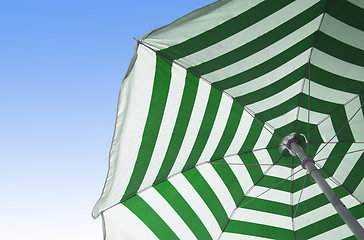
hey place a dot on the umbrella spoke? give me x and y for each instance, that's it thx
(299, 198)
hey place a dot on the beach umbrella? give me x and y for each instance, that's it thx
(242, 120)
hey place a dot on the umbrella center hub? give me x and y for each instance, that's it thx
(285, 147)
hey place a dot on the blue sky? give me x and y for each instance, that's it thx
(61, 66)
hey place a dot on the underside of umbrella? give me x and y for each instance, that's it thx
(205, 112)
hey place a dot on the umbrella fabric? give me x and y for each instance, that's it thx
(203, 110)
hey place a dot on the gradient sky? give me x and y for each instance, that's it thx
(61, 66)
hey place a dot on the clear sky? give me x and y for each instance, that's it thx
(61, 66)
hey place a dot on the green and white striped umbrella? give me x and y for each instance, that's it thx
(198, 150)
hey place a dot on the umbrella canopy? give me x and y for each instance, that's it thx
(205, 111)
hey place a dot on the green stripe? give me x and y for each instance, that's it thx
(232, 125)
(347, 13)
(183, 209)
(350, 238)
(316, 201)
(258, 230)
(309, 181)
(266, 206)
(318, 105)
(327, 224)
(355, 176)
(158, 102)
(208, 195)
(231, 182)
(252, 137)
(261, 42)
(301, 100)
(274, 88)
(340, 50)
(333, 162)
(150, 218)
(225, 29)
(270, 182)
(339, 119)
(252, 165)
(205, 128)
(334, 81)
(267, 66)
(179, 130)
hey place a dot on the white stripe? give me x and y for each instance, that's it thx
(238, 236)
(248, 34)
(315, 117)
(322, 212)
(197, 22)
(134, 101)
(218, 186)
(280, 172)
(325, 153)
(264, 54)
(310, 191)
(167, 125)
(241, 133)
(291, 116)
(357, 122)
(359, 193)
(240, 172)
(217, 129)
(347, 163)
(299, 172)
(161, 207)
(265, 218)
(194, 124)
(358, 3)
(342, 32)
(264, 138)
(263, 156)
(271, 195)
(327, 94)
(270, 77)
(197, 204)
(284, 119)
(121, 223)
(337, 66)
(277, 99)
(327, 131)
(338, 233)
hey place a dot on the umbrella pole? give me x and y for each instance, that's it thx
(309, 165)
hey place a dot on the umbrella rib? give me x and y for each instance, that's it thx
(337, 155)
(340, 129)
(245, 152)
(309, 75)
(299, 198)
